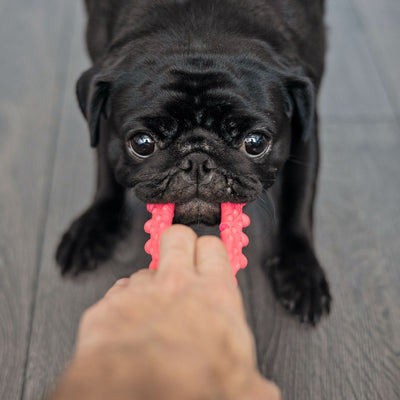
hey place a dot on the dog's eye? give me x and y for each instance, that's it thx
(257, 143)
(141, 144)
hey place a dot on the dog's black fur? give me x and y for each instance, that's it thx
(199, 76)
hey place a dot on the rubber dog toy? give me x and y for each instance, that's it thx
(162, 216)
(233, 220)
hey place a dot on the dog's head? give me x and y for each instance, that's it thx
(196, 130)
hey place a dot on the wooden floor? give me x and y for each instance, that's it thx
(46, 178)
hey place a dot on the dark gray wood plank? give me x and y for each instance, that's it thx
(73, 143)
(60, 302)
(354, 354)
(352, 88)
(31, 34)
(381, 23)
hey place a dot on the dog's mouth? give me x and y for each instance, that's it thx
(197, 211)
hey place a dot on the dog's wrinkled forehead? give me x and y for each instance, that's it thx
(219, 97)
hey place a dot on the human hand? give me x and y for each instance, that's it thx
(176, 333)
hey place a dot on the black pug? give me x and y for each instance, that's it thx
(198, 102)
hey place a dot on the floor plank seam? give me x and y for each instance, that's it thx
(64, 51)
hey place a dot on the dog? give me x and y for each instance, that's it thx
(199, 102)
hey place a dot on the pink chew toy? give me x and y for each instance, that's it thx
(162, 216)
(233, 220)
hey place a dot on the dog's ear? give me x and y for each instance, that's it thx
(301, 105)
(93, 93)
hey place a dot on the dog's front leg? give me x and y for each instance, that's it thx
(298, 280)
(91, 238)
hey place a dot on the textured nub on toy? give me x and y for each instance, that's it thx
(233, 220)
(162, 216)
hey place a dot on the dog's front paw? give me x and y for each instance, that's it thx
(300, 285)
(90, 239)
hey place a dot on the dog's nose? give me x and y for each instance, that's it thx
(198, 168)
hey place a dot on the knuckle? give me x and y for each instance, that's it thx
(176, 259)
(176, 280)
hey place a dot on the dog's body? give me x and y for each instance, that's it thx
(202, 102)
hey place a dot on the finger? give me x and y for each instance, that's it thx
(177, 251)
(212, 258)
(119, 285)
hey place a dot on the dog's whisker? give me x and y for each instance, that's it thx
(294, 160)
(267, 205)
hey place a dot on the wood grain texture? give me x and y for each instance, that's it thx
(381, 25)
(353, 90)
(60, 302)
(354, 354)
(31, 35)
